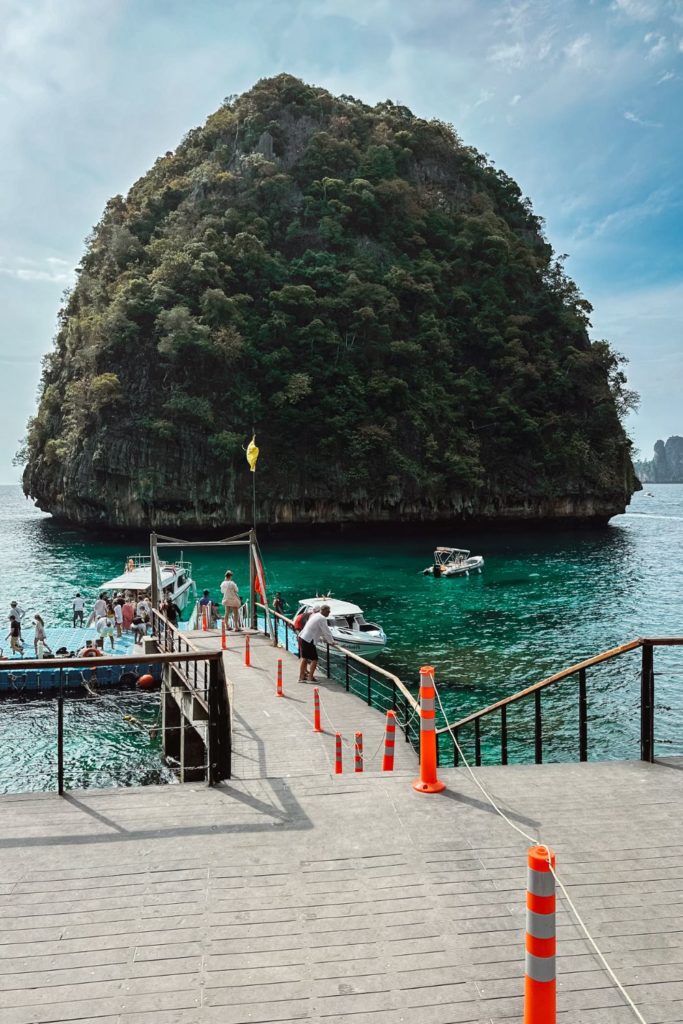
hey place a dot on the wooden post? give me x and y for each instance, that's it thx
(252, 578)
(219, 734)
(154, 562)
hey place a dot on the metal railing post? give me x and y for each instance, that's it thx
(647, 687)
(538, 728)
(504, 735)
(346, 660)
(583, 717)
(369, 688)
(60, 745)
(327, 659)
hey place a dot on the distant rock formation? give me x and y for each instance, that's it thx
(667, 465)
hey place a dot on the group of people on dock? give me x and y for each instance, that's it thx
(111, 617)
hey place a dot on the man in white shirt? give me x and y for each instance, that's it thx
(15, 612)
(315, 631)
(78, 610)
(99, 609)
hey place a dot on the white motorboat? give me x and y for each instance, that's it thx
(136, 580)
(348, 626)
(453, 562)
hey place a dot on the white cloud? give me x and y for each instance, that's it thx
(638, 10)
(656, 43)
(576, 51)
(515, 100)
(666, 77)
(507, 55)
(630, 116)
(52, 268)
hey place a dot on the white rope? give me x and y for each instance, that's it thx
(535, 842)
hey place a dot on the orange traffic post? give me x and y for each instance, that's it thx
(338, 754)
(316, 710)
(279, 692)
(389, 742)
(359, 752)
(539, 974)
(247, 652)
(224, 636)
(428, 781)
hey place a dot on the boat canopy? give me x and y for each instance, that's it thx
(336, 607)
(140, 578)
(451, 551)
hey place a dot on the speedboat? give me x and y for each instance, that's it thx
(175, 581)
(453, 562)
(348, 626)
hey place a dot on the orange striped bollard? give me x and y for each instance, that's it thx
(278, 692)
(224, 637)
(205, 625)
(428, 781)
(316, 710)
(247, 652)
(359, 752)
(539, 975)
(338, 754)
(389, 741)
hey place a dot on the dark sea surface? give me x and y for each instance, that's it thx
(544, 601)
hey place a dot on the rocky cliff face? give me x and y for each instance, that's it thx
(363, 289)
(667, 465)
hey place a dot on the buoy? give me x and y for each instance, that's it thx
(147, 682)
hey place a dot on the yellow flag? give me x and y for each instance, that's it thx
(252, 454)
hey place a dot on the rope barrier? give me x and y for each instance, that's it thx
(536, 842)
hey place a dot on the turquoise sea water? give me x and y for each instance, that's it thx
(544, 601)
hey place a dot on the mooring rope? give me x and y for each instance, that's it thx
(536, 842)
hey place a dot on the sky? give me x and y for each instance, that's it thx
(579, 100)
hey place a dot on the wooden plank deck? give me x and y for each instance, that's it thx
(292, 894)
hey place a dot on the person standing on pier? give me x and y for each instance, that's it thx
(78, 608)
(40, 644)
(14, 635)
(15, 612)
(315, 631)
(231, 601)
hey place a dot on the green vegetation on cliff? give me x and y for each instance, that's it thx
(370, 293)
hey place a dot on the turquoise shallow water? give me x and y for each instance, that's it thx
(543, 601)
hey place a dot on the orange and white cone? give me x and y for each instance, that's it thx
(428, 781)
(389, 742)
(338, 754)
(278, 692)
(539, 975)
(358, 766)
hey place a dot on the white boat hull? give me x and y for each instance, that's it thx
(473, 564)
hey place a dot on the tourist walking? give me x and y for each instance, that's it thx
(118, 616)
(15, 612)
(231, 601)
(78, 608)
(206, 608)
(40, 644)
(171, 610)
(14, 635)
(106, 626)
(128, 612)
(315, 631)
(99, 609)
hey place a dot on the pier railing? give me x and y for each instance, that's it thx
(495, 716)
(198, 673)
(375, 685)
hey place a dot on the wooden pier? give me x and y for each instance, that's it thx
(291, 894)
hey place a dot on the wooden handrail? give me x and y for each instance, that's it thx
(614, 652)
(355, 657)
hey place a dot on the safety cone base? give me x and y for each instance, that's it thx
(428, 787)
